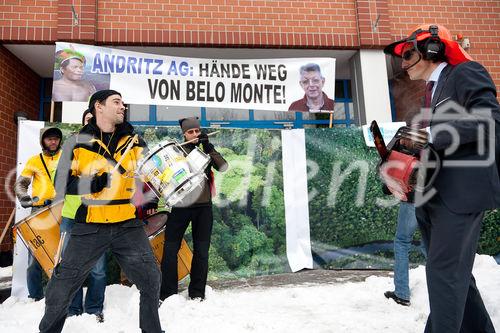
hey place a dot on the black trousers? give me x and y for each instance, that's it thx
(130, 246)
(201, 219)
(451, 240)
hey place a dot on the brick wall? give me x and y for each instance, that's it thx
(263, 23)
(373, 23)
(28, 21)
(251, 23)
(76, 20)
(19, 91)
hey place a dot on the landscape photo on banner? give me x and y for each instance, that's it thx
(351, 224)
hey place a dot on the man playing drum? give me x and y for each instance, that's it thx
(196, 208)
(106, 219)
(39, 171)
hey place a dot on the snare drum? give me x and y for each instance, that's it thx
(40, 233)
(171, 174)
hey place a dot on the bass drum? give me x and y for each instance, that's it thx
(155, 229)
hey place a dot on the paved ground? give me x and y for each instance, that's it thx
(300, 278)
(277, 280)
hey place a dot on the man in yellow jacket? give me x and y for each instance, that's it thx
(39, 172)
(106, 219)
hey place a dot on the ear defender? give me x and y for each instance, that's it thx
(433, 47)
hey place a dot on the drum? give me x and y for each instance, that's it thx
(155, 229)
(170, 173)
(40, 233)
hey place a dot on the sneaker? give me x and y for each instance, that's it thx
(400, 301)
(99, 317)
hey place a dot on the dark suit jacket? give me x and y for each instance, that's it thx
(468, 188)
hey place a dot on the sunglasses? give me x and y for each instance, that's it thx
(408, 54)
(193, 131)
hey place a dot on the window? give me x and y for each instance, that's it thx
(174, 113)
(138, 112)
(214, 114)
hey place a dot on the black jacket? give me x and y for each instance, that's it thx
(469, 179)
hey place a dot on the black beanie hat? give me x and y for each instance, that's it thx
(100, 96)
(188, 123)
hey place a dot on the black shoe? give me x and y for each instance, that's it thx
(99, 316)
(400, 301)
(197, 298)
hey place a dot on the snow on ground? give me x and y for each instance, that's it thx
(329, 307)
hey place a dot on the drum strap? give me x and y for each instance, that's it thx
(45, 166)
(89, 202)
(111, 159)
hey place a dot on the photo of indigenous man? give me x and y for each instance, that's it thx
(314, 100)
(71, 86)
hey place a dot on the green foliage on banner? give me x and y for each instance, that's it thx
(344, 208)
(489, 240)
(344, 203)
(248, 236)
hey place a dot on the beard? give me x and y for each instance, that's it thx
(49, 151)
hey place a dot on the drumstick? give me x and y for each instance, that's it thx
(9, 222)
(192, 140)
(57, 258)
(134, 140)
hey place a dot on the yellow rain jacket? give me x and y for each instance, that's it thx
(88, 154)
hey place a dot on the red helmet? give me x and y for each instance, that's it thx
(453, 52)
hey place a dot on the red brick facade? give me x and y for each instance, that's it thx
(19, 91)
(337, 24)
(326, 24)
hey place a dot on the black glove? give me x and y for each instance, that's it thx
(203, 138)
(98, 183)
(26, 201)
(207, 146)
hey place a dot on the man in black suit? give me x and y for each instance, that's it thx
(462, 115)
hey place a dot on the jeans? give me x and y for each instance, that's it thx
(34, 278)
(96, 281)
(88, 242)
(407, 224)
(34, 273)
